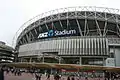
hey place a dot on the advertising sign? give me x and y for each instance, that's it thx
(52, 33)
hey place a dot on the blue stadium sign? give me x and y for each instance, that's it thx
(52, 33)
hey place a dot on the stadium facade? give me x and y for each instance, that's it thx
(6, 53)
(74, 35)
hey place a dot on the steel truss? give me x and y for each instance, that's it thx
(82, 12)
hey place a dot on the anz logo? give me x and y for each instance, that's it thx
(52, 33)
(42, 35)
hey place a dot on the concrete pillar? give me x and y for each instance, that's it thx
(51, 71)
(21, 59)
(104, 64)
(80, 60)
(43, 58)
(30, 59)
(59, 60)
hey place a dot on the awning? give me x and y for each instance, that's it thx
(60, 66)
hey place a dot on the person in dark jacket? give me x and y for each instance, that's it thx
(73, 78)
(68, 78)
(1, 74)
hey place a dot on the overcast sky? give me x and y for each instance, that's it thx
(13, 13)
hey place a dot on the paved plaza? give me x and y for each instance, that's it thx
(29, 76)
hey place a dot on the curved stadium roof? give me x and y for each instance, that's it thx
(51, 15)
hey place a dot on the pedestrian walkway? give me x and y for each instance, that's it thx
(29, 76)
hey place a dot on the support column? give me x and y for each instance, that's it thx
(59, 60)
(80, 60)
(114, 55)
(21, 59)
(51, 71)
(30, 59)
(43, 58)
(103, 61)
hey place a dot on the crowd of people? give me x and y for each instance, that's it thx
(38, 75)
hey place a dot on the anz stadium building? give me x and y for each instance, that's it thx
(75, 35)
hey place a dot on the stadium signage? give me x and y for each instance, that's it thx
(52, 33)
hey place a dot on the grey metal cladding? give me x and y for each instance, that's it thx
(78, 46)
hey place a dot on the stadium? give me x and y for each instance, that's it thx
(75, 35)
(6, 53)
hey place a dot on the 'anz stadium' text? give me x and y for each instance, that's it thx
(52, 33)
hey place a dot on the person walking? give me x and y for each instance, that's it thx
(1, 74)
(73, 78)
(68, 78)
